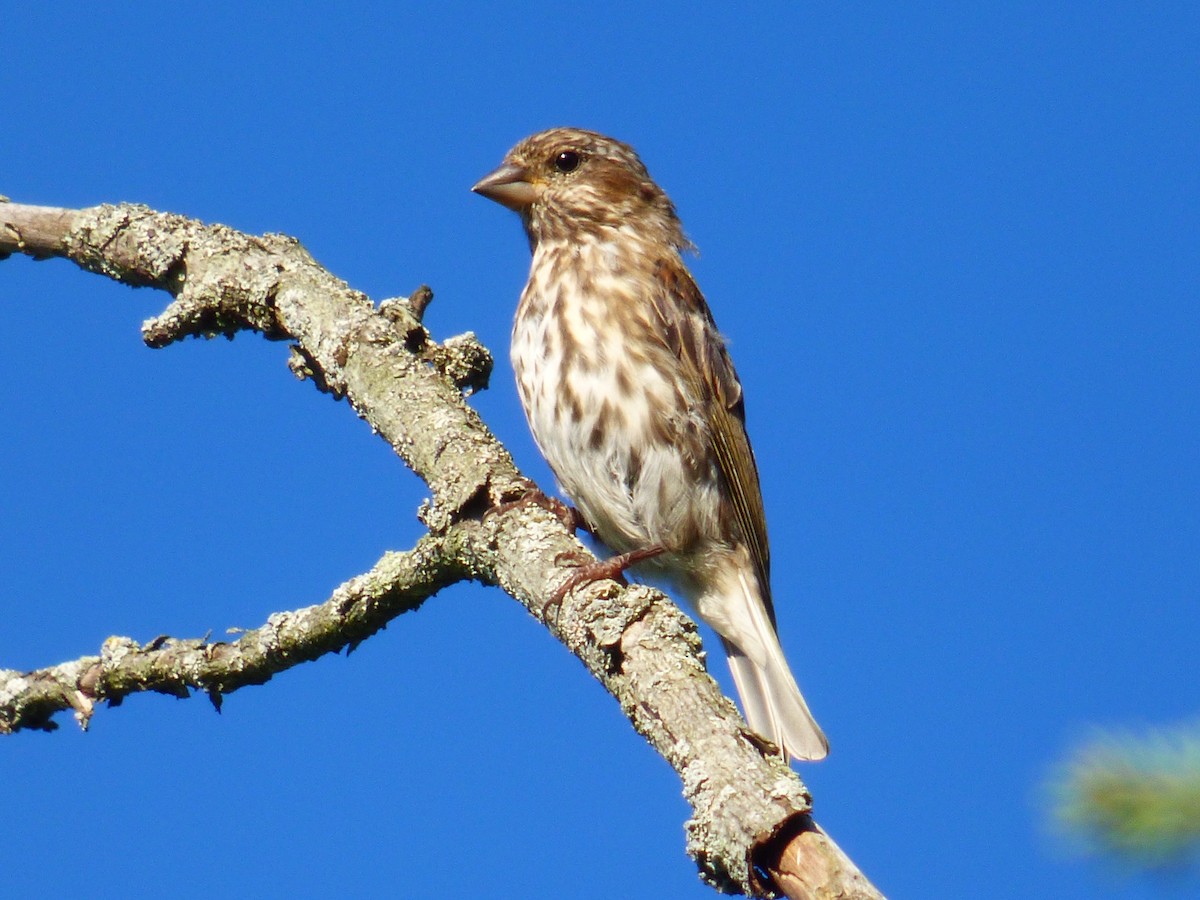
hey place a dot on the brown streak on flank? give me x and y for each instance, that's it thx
(634, 471)
(624, 380)
(576, 409)
(608, 418)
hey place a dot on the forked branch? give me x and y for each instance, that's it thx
(751, 830)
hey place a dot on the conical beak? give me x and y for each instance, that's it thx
(509, 186)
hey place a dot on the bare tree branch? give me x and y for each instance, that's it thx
(398, 583)
(751, 830)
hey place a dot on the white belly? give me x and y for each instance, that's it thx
(626, 452)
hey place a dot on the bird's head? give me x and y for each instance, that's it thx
(569, 183)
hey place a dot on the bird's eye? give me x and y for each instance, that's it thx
(567, 161)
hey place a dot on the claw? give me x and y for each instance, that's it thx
(570, 517)
(589, 570)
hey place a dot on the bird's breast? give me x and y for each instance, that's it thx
(606, 403)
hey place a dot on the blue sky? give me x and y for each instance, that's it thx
(955, 251)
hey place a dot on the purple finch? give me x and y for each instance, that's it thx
(633, 400)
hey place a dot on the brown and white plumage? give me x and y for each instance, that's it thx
(634, 402)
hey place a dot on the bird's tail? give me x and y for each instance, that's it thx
(771, 699)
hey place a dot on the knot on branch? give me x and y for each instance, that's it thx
(414, 305)
(461, 359)
(225, 281)
(304, 366)
(131, 243)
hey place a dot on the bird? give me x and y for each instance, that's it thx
(632, 398)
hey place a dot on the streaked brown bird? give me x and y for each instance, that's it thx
(634, 402)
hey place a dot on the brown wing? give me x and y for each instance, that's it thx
(692, 336)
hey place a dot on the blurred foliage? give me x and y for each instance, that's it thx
(1136, 799)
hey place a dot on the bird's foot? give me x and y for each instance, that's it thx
(570, 517)
(588, 570)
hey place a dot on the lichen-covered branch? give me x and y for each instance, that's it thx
(751, 828)
(398, 583)
(381, 359)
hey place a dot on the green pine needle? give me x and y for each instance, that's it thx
(1136, 798)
